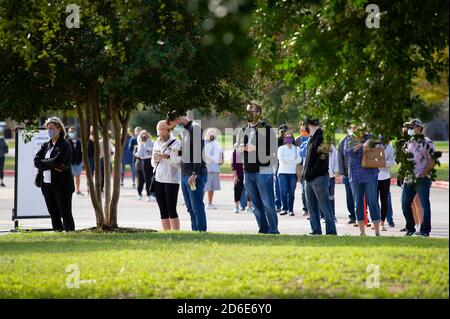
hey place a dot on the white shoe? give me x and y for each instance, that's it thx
(148, 200)
(249, 209)
(383, 228)
(211, 206)
(139, 197)
(236, 210)
(152, 198)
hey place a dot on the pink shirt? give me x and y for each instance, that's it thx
(421, 155)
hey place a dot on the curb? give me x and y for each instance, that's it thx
(229, 177)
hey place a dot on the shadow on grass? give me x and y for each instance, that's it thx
(85, 241)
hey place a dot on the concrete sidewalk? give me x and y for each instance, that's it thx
(141, 214)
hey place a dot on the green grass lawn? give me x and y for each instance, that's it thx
(208, 265)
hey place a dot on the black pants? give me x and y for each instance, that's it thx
(166, 197)
(148, 174)
(383, 193)
(59, 205)
(140, 181)
(2, 167)
(238, 189)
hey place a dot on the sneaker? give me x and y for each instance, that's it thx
(152, 198)
(283, 213)
(148, 200)
(236, 210)
(80, 194)
(211, 206)
(410, 233)
(362, 234)
(372, 227)
(2, 185)
(139, 197)
(335, 220)
(383, 228)
(355, 225)
(121, 184)
(278, 210)
(351, 221)
(249, 210)
(422, 234)
(305, 213)
(392, 225)
(242, 209)
(291, 214)
(403, 229)
(369, 225)
(377, 234)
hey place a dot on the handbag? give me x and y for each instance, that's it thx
(153, 181)
(38, 179)
(373, 158)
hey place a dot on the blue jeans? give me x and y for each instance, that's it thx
(194, 202)
(390, 213)
(318, 199)
(421, 187)
(302, 182)
(288, 183)
(370, 190)
(259, 187)
(133, 171)
(331, 191)
(277, 192)
(350, 201)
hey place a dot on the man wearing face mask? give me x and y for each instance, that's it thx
(317, 179)
(257, 149)
(421, 148)
(56, 182)
(193, 167)
(76, 162)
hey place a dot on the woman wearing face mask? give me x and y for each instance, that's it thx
(144, 153)
(288, 157)
(213, 155)
(53, 159)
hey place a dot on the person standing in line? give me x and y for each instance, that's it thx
(317, 179)
(56, 182)
(193, 167)
(3, 151)
(384, 182)
(421, 148)
(302, 142)
(240, 195)
(128, 159)
(144, 153)
(166, 161)
(288, 158)
(213, 155)
(258, 147)
(76, 161)
(364, 182)
(282, 129)
(344, 172)
(332, 170)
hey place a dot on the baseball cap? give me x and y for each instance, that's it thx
(415, 122)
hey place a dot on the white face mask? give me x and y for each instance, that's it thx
(350, 131)
(411, 132)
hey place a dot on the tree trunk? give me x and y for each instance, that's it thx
(120, 133)
(85, 132)
(107, 166)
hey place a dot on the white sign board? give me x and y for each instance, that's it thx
(29, 201)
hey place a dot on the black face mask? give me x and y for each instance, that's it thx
(307, 129)
(211, 138)
(253, 117)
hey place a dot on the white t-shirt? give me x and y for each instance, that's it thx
(389, 155)
(212, 156)
(333, 164)
(48, 173)
(288, 159)
(168, 170)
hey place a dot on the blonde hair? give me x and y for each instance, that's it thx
(57, 121)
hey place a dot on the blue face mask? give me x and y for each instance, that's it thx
(178, 129)
(51, 133)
